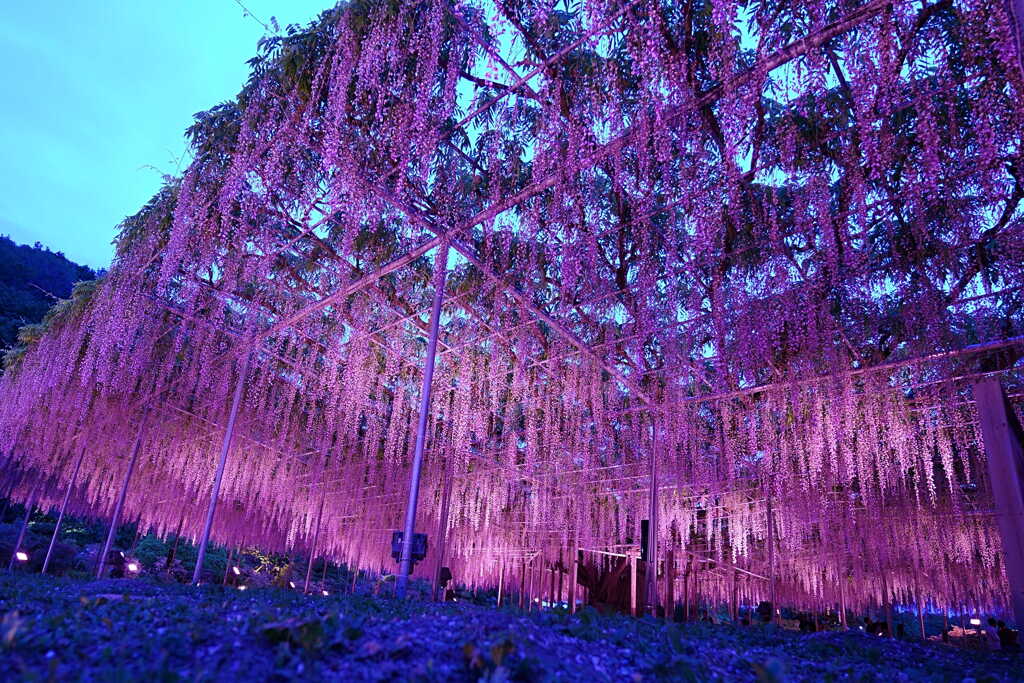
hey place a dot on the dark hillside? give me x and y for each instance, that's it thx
(31, 280)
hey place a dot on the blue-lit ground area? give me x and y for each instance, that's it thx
(61, 629)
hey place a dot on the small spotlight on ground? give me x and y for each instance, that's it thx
(21, 556)
(133, 566)
(236, 570)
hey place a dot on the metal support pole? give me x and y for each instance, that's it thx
(124, 491)
(177, 537)
(771, 563)
(735, 601)
(24, 527)
(227, 567)
(529, 593)
(405, 564)
(1004, 448)
(632, 584)
(842, 601)
(442, 531)
(60, 516)
(522, 585)
(574, 577)
(670, 585)
(501, 582)
(651, 596)
(551, 596)
(561, 575)
(887, 604)
(316, 534)
(229, 437)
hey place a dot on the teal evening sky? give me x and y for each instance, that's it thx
(96, 97)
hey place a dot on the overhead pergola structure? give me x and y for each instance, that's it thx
(738, 268)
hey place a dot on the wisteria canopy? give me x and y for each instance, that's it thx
(750, 254)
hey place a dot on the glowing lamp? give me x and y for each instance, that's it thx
(292, 584)
(325, 593)
(21, 556)
(236, 571)
(975, 622)
(133, 566)
(241, 588)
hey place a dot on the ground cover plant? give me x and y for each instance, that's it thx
(62, 629)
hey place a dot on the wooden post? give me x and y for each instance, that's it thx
(573, 577)
(632, 584)
(1004, 448)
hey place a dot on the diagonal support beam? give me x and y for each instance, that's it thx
(352, 288)
(524, 302)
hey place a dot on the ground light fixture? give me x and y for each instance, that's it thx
(325, 593)
(236, 570)
(241, 588)
(975, 622)
(133, 566)
(21, 556)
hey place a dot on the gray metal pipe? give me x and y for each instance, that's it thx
(229, 435)
(405, 564)
(60, 517)
(101, 565)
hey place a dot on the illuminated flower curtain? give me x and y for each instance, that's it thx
(756, 242)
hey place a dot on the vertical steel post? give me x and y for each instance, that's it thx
(442, 531)
(632, 584)
(670, 585)
(60, 516)
(651, 596)
(574, 577)
(31, 503)
(776, 615)
(124, 491)
(316, 534)
(227, 567)
(501, 582)
(229, 437)
(1004, 450)
(405, 564)
(842, 601)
